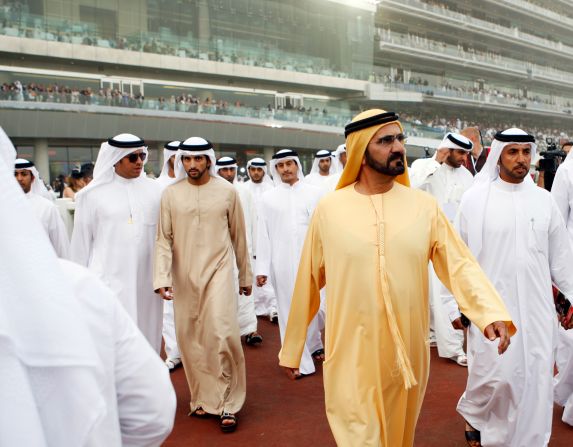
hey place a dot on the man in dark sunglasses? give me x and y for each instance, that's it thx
(131, 166)
(114, 232)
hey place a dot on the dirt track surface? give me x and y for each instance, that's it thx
(279, 412)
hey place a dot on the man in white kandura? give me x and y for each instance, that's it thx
(167, 177)
(322, 168)
(260, 182)
(75, 369)
(517, 234)
(29, 179)
(115, 227)
(446, 181)
(227, 170)
(284, 216)
(339, 161)
(562, 191)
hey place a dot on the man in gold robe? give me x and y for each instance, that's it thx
(201, 231)
(373, 239)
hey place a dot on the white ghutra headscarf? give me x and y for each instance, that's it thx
(227, 162)
(341, 149)
(282, 155)
(169, 150)
(321, 155)
(259, 163)
(478, 193)
(456, 141)
(195, 146)
(111, 152)
(38, 187)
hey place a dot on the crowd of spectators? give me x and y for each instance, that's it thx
(58, 93)
(488, 126)
(476, 91)
(15, 20)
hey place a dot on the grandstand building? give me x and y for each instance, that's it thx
(254, 76)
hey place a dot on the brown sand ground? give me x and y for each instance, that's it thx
(279, 412)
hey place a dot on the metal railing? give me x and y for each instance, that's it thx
(466, 20)
(495, 61)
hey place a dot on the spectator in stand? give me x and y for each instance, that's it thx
(75, 182)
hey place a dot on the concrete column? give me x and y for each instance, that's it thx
(41, 158)
(269, 152)
(204, 34)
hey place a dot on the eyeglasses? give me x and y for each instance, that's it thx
(133, 157)
(389, 139)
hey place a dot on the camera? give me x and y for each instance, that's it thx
(552, 157)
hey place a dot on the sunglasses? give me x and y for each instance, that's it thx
(133, 157)
(389, 139)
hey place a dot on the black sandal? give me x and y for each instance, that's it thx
(318, 355)
(253, 339)
(228, 428)
(473, 436)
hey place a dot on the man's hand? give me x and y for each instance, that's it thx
(442, 154)
(567, 321)
(166, 293)
(292, 373)
(261, 280)
(457, 324)
(245, 290)
(498, 329)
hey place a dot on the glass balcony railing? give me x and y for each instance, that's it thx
(494, 60)
(332, 117)
(522, 4)
(491, 96)
(219, 49)
(324, 117)
(466, 20)
(11, 94)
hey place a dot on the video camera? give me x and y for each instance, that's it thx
(552, 157)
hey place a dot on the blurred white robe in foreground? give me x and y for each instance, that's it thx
(562, 192)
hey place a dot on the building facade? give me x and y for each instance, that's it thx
(254, 76)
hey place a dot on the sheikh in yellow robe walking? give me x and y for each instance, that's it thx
(372, 252)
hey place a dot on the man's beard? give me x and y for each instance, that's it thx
(198, 175)
(451, 161)
(515, 175)
(386, 169)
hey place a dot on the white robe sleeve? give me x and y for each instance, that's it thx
(58, 234)
(263, 264)
(82, 235)
(560, 253)
(448, 300)
(145, 396)
(254, 226)
(562, 190)
(250, 216)
(421, 172)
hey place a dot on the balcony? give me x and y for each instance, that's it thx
(435, 52)
(468, 23)
(218, 56)
(552, 18)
